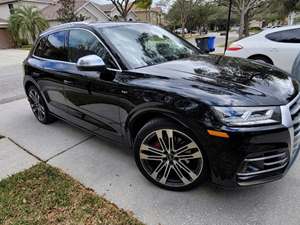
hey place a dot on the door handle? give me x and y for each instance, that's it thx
(67, 82)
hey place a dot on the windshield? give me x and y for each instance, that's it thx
(144, 45)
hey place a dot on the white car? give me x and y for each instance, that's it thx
(278, 46)
(179, 31)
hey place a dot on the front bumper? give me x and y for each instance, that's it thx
(256, 155)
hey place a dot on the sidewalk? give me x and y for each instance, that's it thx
(111, 172)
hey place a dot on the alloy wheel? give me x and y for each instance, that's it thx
(171, 158)
(37, 105)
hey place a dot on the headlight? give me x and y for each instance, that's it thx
(248, 116)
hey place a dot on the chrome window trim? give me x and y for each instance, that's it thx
(71, 63)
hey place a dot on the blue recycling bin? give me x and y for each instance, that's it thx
(211, 43)
(206, 44)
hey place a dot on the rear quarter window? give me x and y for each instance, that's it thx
(287, 36)
(52, 47)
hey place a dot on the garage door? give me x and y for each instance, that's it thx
(5, 40)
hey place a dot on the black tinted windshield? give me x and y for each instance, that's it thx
(144, 45)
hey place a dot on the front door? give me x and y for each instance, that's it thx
(92, 97)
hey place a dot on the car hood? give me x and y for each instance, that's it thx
(226, 81)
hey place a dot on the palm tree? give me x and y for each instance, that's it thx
(27, 23)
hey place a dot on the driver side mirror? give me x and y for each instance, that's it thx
(91, 63)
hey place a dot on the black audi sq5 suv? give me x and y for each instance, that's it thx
(187, 116)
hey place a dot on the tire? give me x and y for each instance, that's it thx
(171, 167)
(261, 58)
(38, 106)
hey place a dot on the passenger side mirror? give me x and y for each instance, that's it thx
(91, 63)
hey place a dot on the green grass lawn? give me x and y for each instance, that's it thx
(44, 195)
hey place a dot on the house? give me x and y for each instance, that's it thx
(7, 6)
(111, 11)
(154, 15)
(91, 10)
(88, 9)
(5, 38)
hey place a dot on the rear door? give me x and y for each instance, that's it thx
(93, 97)
(285, 47)
(48, 67)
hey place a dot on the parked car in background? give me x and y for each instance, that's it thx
(179, 31)
(186, 116)
(277, 46)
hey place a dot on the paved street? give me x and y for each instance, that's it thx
(11, 74)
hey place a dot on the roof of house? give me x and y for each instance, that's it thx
(39, 1)
(106, 7)
(50, 12)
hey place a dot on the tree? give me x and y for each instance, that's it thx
(125, 6)
(284, 7)
(185, 8)
(147, 6)
(66, 13)
(26, 22)
(182, 11)
(244, 8)
(217, 17)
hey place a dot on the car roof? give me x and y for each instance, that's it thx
(272, 30)
(86, 24)
(262, 34)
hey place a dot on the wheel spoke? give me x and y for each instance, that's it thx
(165, 176)
(161, 165)
(152, 157)
(37, 98)
(161, 140)
(180, 175)
(40, 115)
(170, 140)
(196, 155)
(151, 149)
(183, 167)
(191, 145)
(32, 96)
(42, 110)
(34, 108)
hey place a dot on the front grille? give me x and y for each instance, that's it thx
(266, 166)
(263, 165)
(295, 113)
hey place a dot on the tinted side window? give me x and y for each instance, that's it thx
(52, 47)
(287, 36)
(83, 43)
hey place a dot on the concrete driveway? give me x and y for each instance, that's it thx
(111, 171)
(11, 74)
